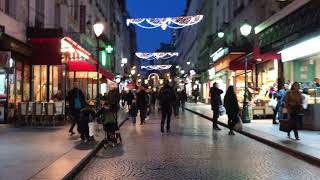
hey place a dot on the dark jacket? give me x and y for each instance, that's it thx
(72, 95)
(183, 96)
(231, 104)
(167, 96)
(113, 97)
(142, 99)
(215, 94)
(129, 98)
(85, 115)
(133, 111)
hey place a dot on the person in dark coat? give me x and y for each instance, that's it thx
(76, 101)
(133, 111)
(142, 103)
(113, 99)
(130, 98)
(153, 98)
(167, 98)
(85, 116)
(232, 108)
(183, 99)
(215, 94)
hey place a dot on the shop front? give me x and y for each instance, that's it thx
(14, 75)
(301, 64)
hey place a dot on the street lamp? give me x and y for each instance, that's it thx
(220, 34)
(245, 30)
(98, 30)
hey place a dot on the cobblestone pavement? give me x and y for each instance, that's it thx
(192, 151)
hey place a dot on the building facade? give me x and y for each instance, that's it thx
(46, 45)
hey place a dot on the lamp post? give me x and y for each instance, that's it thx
(98, 30)
(245, 30)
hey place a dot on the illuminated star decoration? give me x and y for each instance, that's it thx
(156, 67)
(164, 23)
(158, 55)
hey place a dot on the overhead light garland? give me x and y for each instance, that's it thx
(164, 23)
(156, 67)
(157, 55)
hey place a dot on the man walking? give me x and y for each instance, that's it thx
(76, 101)
(215, 94)
(142, 103)
(167, 98)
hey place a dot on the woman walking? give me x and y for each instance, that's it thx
(293, 102)
(232, 108)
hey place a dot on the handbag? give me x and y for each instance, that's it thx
(222, 110)
(273, 103)
(91, 128)
(238, 125)
(284, 125)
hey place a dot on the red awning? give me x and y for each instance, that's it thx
(84, 66)
(272, 55)
(239, 64)
(46, 51)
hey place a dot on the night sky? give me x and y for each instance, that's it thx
(149, 40)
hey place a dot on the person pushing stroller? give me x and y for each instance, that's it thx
(110, 124)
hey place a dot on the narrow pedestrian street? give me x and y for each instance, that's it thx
(192, 151)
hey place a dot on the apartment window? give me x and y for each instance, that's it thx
(76, 9)
(39, 19)
(10, 7)
(57, 15)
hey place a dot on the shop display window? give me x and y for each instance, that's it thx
(39, 83)
(18, 82)
(26, 83)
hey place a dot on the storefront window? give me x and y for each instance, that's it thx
(26, 83)
(303, 70)
(18, 82)
(40, 82)
(54, 81)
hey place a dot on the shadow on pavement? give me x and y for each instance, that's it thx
(85, 145)
(111, 152)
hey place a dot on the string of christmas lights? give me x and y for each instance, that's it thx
(156, 67)
(164, 23)
(157, 56)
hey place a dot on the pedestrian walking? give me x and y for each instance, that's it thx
(113, 100)
(195, 94)
(167, 97)
(232, 108)
(176, 104)
(281, 101)
(273, 103)
(216, 102)
(133, 111)
(123, 97)
(130, 98)
(76, 101)
(153, 99)
(142, 103)
(86, 115)
(183, 99)
(293, 103)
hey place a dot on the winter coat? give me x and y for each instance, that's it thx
(129, 98)
(167, 97)
(133, 111)
(215, 94)
(231, 105)
(142, 99)
(293, 102)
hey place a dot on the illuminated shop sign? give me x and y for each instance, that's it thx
(219, 54)
(301, 50)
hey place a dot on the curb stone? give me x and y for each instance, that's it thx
(78, 168)
(297, 154)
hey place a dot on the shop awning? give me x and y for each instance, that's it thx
(83, 66)
(271, 55)
(239, 63)
(46, 51)
(223, 63)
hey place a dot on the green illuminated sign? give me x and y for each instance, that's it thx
(109, 49)
(103, 58)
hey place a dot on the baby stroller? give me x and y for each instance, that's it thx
(110, 126)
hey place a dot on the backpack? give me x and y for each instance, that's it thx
(109, 118)
(166, 96)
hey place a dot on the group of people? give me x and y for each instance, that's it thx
(290, 105)
(82, 113)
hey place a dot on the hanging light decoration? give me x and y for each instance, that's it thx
(157, 55)
(164, 23)
(156, 67)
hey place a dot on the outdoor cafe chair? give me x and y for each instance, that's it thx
(37, 113)
(49, 113)
(59, 110)
(23, 112)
